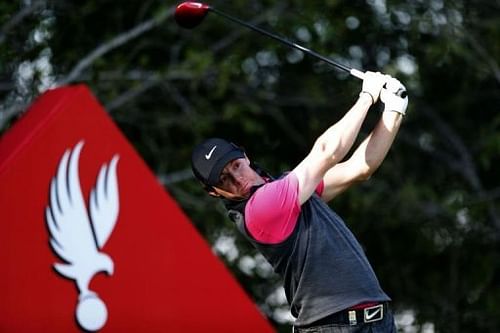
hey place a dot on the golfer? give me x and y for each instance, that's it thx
(328, 280)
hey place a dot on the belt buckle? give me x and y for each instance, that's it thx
(373, 313)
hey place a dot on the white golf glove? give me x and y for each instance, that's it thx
(393, 102)
(373, 83)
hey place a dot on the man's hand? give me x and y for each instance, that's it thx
(393, 102)
(373, 83)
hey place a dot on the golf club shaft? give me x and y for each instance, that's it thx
(352, 71)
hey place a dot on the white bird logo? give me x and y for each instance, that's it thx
(78, 239)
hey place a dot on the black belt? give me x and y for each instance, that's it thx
(353, 317)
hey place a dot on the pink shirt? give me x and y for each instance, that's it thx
(272, 212)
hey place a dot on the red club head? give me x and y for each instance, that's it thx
(189, 14)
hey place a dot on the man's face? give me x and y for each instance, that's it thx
(237, 179)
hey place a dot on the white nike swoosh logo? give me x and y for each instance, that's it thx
(373, 314)
(207, 156)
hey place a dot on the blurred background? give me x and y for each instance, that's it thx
(429, 219)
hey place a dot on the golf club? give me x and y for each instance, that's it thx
(189, 14)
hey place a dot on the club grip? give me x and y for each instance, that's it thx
(357, 73)
(360, 75)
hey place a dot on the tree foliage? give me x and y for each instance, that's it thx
(429, 219)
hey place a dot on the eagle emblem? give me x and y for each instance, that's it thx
(77, 235)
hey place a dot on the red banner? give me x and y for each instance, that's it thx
(90, 240)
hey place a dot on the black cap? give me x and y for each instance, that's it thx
(211, 156)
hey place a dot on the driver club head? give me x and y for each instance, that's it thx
(189, 14)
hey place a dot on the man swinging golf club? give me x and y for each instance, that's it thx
(328, 280)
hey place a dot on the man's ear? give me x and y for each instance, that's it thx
(214, 194)
(212, 191)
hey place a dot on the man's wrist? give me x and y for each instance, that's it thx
(402, 113)
(367, 96)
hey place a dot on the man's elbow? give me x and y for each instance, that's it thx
(363, 176)
(366, 172)
(330, 149)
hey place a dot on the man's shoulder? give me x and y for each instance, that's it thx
(275, 194)
(285, 181)
(273, 209)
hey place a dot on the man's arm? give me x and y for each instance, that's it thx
(332, 146)
(371, 152)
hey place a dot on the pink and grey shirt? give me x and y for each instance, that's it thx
(323, 267)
